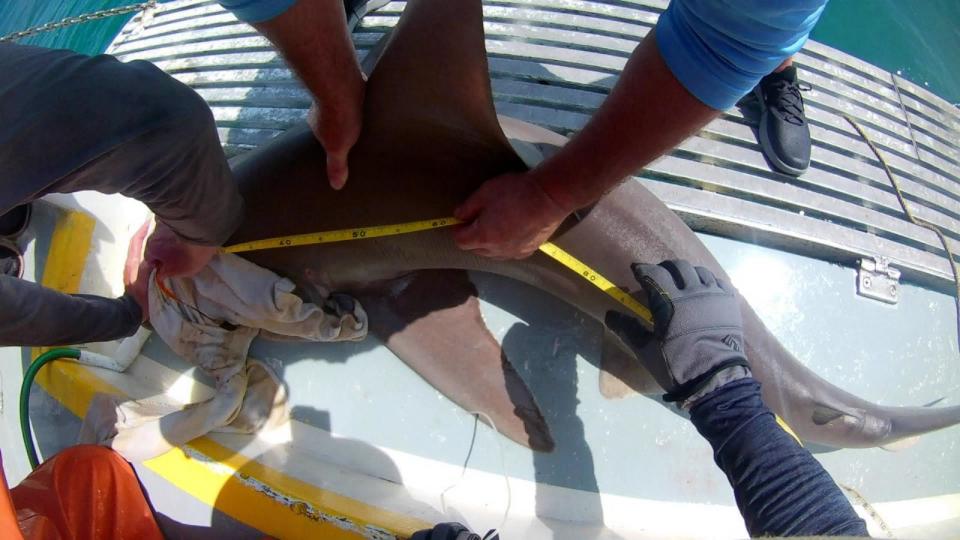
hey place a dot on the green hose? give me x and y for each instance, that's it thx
(25, 387)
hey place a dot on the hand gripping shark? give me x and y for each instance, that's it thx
(430, 138)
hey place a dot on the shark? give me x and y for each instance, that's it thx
(430, 137)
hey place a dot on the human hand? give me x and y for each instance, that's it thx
(697, 343)
(315, 41)
(173, 256)
(338, 128)
(508, 217)
(136, 270)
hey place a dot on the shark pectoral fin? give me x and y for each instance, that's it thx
(431, 320)
(621, 373)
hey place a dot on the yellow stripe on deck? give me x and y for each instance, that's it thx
(264, 498)
(269, 500)
(69, 246)
(72, 384)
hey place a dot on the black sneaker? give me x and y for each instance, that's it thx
(784, 133)
(11, 261)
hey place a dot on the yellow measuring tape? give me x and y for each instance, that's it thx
(554, 251)
(360, 233)
(342, 235)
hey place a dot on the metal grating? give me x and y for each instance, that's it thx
(552, 62)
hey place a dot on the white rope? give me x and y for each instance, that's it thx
(915, 220)
(503, 471)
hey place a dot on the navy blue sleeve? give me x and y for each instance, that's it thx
(720, 49)
(780, 488)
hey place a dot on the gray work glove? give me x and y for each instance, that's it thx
(697, 343)
(452, 531)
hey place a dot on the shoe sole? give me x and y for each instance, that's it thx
(767, 147)
(8, 244)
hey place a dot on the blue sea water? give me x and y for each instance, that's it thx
(90, 38)
(919, 39)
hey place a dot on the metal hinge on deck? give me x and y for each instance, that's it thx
(878, 280)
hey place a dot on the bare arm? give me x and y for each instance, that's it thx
(648, 113)
(312, 35)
